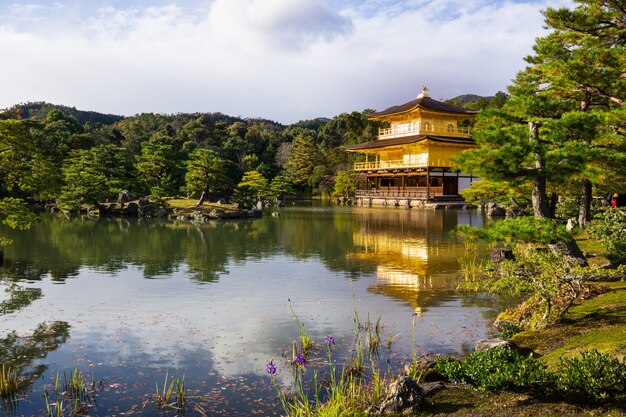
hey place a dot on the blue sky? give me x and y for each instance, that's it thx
(284, 60)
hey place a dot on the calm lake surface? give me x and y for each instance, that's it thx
(127, 301)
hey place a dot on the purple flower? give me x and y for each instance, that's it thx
(270, 367)
(329, 341)
(299, 360)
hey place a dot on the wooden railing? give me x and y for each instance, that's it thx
(400, 164)
(408, 192)
(417, 128)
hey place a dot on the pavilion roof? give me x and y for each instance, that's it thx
(405, 140)
(426, 103)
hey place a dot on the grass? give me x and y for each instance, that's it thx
(172, 395)
(73, 395)
(190, 204)
(9, 385)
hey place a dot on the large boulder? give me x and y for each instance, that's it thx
(404, 396)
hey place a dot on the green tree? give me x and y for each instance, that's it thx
(205, 174)
(280, 186)
(158, 169)
(304, 158)
(83, 182)
(566, 98)
(583, 61)
(252, 187)
(345, 183)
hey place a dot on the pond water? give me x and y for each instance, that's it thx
(129, 301)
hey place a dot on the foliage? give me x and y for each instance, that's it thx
(305, 157)
(205, 173)
(595, 376)
(511, 232)
(9, 383)
(158, 167)
(609, 226)
(280, 186)
(497, 369)
(538, 270)
(348, 390)
(16, 213)
(498, 191)
(252, 188)
(508, 330)
(345, 184)
(559, 131)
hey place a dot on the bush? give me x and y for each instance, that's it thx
(610, 228)
(594, 376)
(508, 330)
(497, 369)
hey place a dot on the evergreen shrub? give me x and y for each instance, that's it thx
(496, 369)
(595, 376)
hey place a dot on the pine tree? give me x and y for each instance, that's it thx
(205, 173)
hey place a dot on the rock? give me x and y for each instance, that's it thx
(404, 396)
(422, 363)
(501, 254)
(131, 210)
(486, 344)
(124, 197)
(431, 388)
(502, 325)
(494, 209)
(571, 224)
(93, 211)
(255, 213)
(275, 214)
(161, 213)
(570, 252)
(259, 205)
(216, 214)
(199, 217)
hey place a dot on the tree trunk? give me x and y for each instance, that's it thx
(584, 213)
(554, 200)
(541, 207)
(202, 198)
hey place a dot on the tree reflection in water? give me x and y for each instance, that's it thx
(22, 352)
(18, 298)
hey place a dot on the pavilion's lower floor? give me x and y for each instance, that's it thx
(390, 188)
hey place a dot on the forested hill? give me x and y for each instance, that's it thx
(476, 102)
(39, 110)
(73, 157)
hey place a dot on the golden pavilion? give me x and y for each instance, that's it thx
(410, 163)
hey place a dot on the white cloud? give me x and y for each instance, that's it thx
(281, 59)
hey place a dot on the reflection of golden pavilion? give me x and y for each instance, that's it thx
(409, 268)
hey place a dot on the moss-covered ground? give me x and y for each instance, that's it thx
(186, 204)
(460, 401)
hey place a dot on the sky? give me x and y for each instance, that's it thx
(283, 60)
